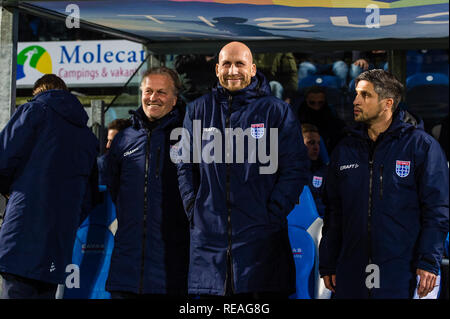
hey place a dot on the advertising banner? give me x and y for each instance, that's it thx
(79, 63)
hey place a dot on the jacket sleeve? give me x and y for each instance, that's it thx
(92, 197)
(293, 166)
(112, 176)
(330, 243)
(188, 174)
(432, 181)
(17, 140)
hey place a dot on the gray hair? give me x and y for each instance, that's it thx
(385, 85)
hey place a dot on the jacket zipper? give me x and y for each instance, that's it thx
(158, 152)
(370, 215)
(381, 181)
(229, 256)
(144, 230)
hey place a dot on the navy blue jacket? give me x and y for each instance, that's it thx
(47, 165)
(238, 215)
(102, 168)
(151, 245)
(317, 178)
(389, 209)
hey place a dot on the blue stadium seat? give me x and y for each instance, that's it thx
(420, 79)
(92, 251)
(428, 101)
(304, 214)
(304, 251)
(329, 81)
(351, 86)
(305, 217)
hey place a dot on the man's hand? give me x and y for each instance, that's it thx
(330, 282)
(427, 281)
(363, 64)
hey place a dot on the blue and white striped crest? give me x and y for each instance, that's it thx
(317, 181)
(402, 168)
(257, 130)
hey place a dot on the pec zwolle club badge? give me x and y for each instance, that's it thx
(402, 168)
(257, 130)
(317, 181)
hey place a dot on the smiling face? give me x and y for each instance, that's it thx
(235, 68)
(158, 96)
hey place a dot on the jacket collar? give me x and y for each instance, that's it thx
(402, 121)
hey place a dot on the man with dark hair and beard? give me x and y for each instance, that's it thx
(387, 200)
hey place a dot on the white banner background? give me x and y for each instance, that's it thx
(79, 63)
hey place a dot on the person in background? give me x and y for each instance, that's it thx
(151, 246)
(386, 217)
(318, 170)
(113, 128)
(196, 74)
(48, 172)
(315, 110)
(367, 60)
(280, 69)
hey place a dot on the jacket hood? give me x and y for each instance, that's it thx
(65, 104)
(259, 86)
(402, 121)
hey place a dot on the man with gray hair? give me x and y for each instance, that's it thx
(151, 245)
(387, 200)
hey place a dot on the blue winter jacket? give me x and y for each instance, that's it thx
(238, 215)
(388, 210)
(317, 178)
(47, 165)
(151, 245)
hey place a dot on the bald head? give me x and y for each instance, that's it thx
(235, 68)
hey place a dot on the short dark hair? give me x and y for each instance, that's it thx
(119, 124)
(172, 74)
(315, 89)
(385, 84)
(306, 128)
(48, 82)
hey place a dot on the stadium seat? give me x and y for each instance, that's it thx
(420, 79)
(92, 250)
(305, 213)
(305, 216)
(304, 251)
(428, 101)
(414, 61)
(329, 81)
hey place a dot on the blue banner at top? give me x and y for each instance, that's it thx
(323, 20)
